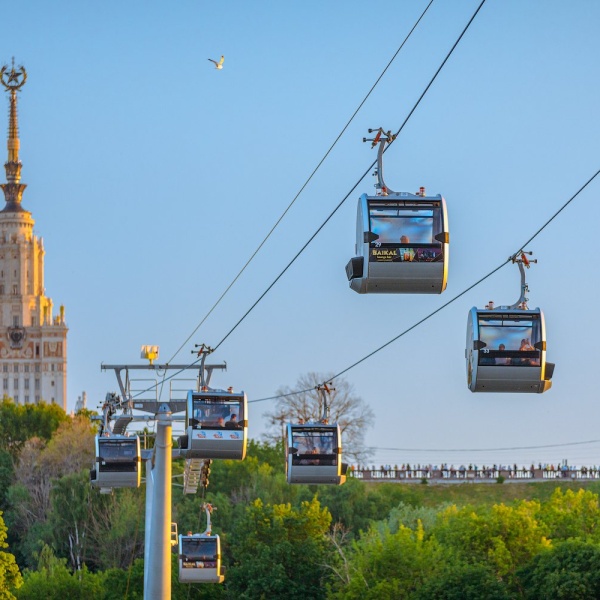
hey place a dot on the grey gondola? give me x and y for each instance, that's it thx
(402, 239)
(506, 345)
(314, 454)
(402, 244)
(200, 559)
(118, 462)
(216, 425)
(506, 351)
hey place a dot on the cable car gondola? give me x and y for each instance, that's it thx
(216, 425)
(402, 239)
(314, 450)
(314, 454)
(118, 462)
(200, 556)
(506, 346)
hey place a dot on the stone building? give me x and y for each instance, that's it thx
(33, 341)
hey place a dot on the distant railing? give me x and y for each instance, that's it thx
(480, 475)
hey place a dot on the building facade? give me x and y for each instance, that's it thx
(33, 341)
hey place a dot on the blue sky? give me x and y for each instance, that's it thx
(153, 177)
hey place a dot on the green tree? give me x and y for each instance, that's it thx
(503, 537)
(10, 577)
(280, 552)
(115, 528)
(390, 566)
(59, 583)
(459, 581)
(40, 465)
(569, 571)
(7, 475)
(124, 583)
(68, 517)
(572, 514)
(357, 505)
(21, 422)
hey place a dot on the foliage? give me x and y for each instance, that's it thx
(386, 565)
(124, 583)
(356, 506)
(58, 583)
(410, 516)
(538, 540)
(270, 453)
(570, 570)
(349, 411)
(10, 577)
(115, 528)
(20, 422)
(280, 552)
(460, 581)
(503, 537)
(7, 475)
(572, 514)
(68, 515)
(40, 465)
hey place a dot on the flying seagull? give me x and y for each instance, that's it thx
(218, 65)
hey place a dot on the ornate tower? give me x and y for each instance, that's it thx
(33, 342)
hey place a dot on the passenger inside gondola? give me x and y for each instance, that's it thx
(118, 456)
(313, 447)
(409, 230)
(397, 223)
(199, 553)
(513, 336)
(217, 414)
(502, 360)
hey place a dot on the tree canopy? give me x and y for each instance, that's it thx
(10, 576)
(360, 540)
(21, 422)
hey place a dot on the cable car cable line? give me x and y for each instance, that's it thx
(358, 362)
(329, 217)
(437, 310)
(488, 449)
(358, 182)
(239, 274)
(337, 139)
(508, 260)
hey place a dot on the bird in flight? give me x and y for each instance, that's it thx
(218, 65)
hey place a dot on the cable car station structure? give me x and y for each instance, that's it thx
(116, 452)
(215, 423)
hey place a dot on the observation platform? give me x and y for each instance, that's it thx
(487, 475)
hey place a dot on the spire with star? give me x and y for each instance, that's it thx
(13, 80)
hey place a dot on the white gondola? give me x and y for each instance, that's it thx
(402, 240)
(200, 556)
(118, 462)
(506, 347)
(314, 454)
(216, 425)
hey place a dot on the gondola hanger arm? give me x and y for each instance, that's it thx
(325, 390)
(520, 258)
(382, 138)
(208, 508)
